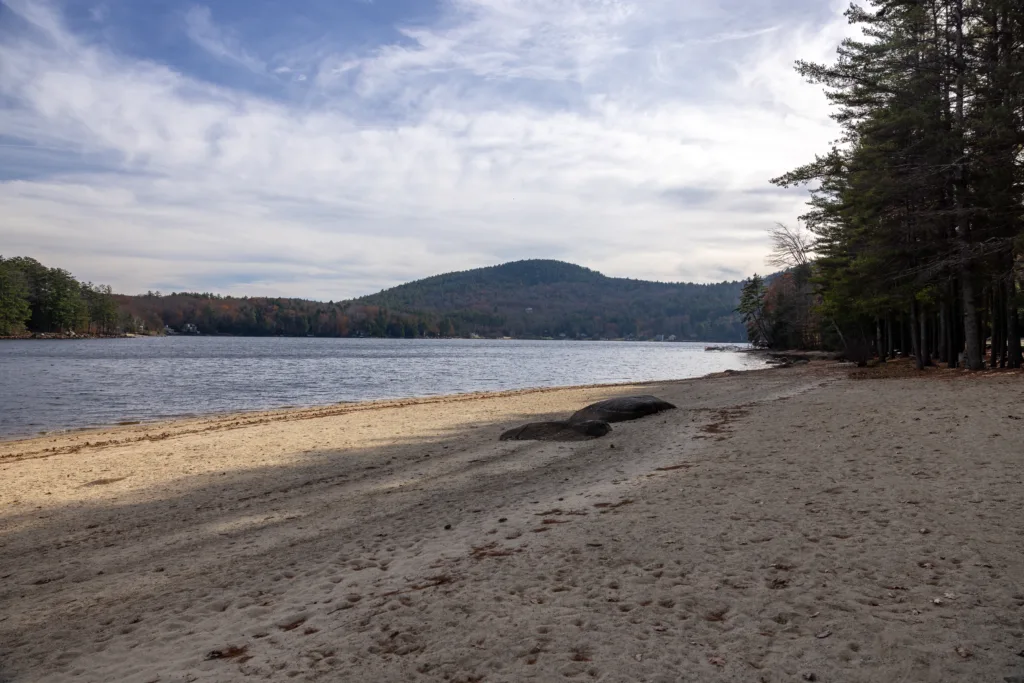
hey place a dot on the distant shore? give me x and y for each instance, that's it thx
(55, 336)
(47, 335)
(794, 521)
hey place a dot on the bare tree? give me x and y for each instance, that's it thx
(791, 247)
(792, 291)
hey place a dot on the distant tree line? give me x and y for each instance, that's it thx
(527, 299)
(917, 214)
(211, 314)
(38, 299)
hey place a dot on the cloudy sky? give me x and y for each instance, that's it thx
(331, 148)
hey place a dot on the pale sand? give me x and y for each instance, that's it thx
(783, 525)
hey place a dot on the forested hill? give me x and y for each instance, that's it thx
(541, 298)
(526, 299)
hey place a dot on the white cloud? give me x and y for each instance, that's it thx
(602, 132)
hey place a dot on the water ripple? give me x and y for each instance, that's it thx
(57, 385)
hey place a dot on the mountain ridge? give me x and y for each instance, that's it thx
(546, 297)
(521, 271)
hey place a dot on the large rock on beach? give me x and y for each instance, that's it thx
(621, 409)
(558, 431)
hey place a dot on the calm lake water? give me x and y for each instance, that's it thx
(58, 384)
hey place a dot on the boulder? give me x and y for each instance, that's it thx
(621, 409)
(558, 431)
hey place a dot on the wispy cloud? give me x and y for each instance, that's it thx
(622, 135)
(218, 42)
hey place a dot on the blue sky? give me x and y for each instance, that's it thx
(331, 148)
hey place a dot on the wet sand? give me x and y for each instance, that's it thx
(782, 525)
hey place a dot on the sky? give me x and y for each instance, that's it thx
(331, 148)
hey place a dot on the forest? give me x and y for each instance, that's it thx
(912, 244)
(34, 298)
(525, 299)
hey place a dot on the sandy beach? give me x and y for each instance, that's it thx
(781, 525)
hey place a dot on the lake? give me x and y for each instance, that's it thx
(49, 385)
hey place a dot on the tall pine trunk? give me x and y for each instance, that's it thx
(878, 340)
(973, 359)
(928, 347)
(916, 339)
(943, 335)
(889, 341)
(952, 338)
(999, 323)
(972, 353)
(1013, 347)
(903, 338)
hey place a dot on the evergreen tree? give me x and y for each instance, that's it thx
(102, 308)
(917, 211)
(752, 309)
(14, 306)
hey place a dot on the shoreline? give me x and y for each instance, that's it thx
(46, 336)
(190, 424)
(331, 408)
(786, 524)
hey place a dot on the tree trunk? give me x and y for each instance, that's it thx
(925, 358)
(878, 340)
(952, 338)
(903, 338)
(992, 325)
(972, 357)
(960, 341)
(842, 339)
(925, 350)
(943, 333)
(1013, 348)
(888, 337)
(1000, 322)
(916, 340)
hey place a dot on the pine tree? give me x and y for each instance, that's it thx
(14, 306)
(917, 211)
